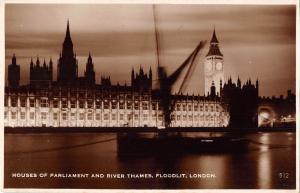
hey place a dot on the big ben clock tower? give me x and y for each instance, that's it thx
(213, 66)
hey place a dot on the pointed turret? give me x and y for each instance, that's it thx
(37, 62)
(68, 34)
(50, 63)
(239, 82)
(214, 46)
(214, 39)
(13, 73)
(31, 63)
(150, 73)
(14, 60)
(89, 71)
(67, 64)
(90, 57)
(44, 64)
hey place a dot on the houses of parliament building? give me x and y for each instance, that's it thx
(73, 101)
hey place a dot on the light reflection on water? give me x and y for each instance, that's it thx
(268, 154)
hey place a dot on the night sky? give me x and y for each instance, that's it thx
(257, 41)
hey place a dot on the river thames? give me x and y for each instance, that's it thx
(90, 160)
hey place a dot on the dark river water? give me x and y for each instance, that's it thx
(30, 159)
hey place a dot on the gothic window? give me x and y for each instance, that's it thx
(136, 116)
(22, 115)
(206, 108)
(55, 116)
(98, 104)
(211, 108)
(81, 104)
(55, 103)
(98, 116)
(113, 117)
(106, 117)
(201, 108)
(184, 118)
(172, 117)
(14, 101)
(13, 115)
(121, 105)
(196, 107)
(190, 107)
(31, 115)
(178, 117)
(129, 105)
(43, 115)
(184, 107)
(23, 101)
(145, 117)
(90, 116)
(5, 114)
(136, 106)
(211, 118)
(64, 116)
(90, 103)
(73, 116)
(121, 117)
(153, 106)
(217, 108)
(129, 116)
(121, 96)
(114, 105)
(145, 106)
(44, 103)
(136, 97)
(154, 117)
(73, 103)
(178, 107)
(64, 103)
(81, 116)
(190, 118)
(106, 105)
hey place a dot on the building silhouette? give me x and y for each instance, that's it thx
(74, 101)
(41, 74)
(242, 103)
(13, 73)
(141, 81)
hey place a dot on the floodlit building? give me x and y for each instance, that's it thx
(74, 101)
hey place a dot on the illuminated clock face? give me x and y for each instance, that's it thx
(219, 66)
(208, 66)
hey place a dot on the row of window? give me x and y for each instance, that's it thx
(90, 95)
(106, 105)
(81, 116)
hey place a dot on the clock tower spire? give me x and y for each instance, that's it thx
(214, 69)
